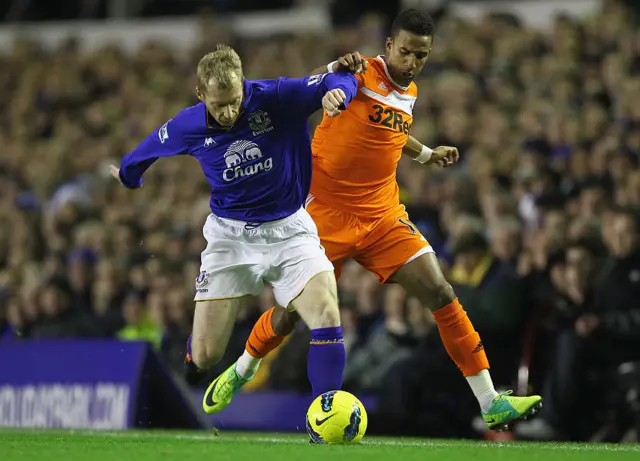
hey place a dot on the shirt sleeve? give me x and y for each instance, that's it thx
(303, 96)
(166, 141)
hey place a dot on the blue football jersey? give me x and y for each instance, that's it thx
(260, 169)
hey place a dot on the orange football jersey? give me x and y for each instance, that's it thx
(355, 155)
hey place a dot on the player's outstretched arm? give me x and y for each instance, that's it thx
(166, 141)
(306, 95)
(443, 156)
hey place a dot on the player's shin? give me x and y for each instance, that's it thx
(318, 307)
(326, 361)
(465, 348)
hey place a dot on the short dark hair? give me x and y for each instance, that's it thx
(414, 20)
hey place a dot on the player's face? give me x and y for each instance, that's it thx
(407, 54)
(224, 104)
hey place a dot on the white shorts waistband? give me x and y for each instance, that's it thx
(267, 225)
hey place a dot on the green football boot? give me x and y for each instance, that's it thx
(222, 389)
(506, 409)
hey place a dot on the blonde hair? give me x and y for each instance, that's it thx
(222, 65)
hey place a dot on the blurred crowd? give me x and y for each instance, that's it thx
(536, 228)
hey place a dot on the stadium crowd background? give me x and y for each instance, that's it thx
(537, 227)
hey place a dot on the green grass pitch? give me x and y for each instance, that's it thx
(32, 445)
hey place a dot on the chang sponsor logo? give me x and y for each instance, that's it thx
(244, 158)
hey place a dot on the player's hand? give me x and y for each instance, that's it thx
(351, 62)
(115, 172)
(332, 101)
(444, 156)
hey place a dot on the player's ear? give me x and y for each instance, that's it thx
(388, 44)
(199, 94)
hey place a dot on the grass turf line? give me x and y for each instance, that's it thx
(38, 445)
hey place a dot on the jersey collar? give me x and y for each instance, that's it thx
(382, 57)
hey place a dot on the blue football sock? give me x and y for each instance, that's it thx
(326, 361)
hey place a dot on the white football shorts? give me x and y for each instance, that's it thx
(238, 259)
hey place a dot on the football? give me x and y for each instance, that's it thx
(336, 417)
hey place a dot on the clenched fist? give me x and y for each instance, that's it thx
(332, 101)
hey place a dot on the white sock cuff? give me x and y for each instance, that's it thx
(247, 365)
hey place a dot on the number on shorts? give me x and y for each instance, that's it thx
(408, 223)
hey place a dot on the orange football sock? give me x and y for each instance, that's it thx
(263, 339)
(460, 339)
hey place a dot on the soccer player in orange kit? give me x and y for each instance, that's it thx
(355, 204)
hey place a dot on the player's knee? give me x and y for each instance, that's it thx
(325, 313)
(442, 295)
(205, 355)
(284, 321)
(318, 302)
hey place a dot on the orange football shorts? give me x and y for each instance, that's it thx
(380, 245)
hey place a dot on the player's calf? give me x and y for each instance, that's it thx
(270, 330)
(267, 334)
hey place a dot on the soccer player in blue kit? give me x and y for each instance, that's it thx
(252, 141)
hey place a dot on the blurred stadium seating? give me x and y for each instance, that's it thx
(537, 227)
